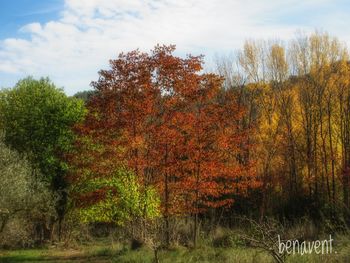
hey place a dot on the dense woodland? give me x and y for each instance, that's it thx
(163, 152)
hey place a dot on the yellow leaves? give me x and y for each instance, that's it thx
(277, 63)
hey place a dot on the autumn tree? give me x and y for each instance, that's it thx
(295, 95)
(158, 115)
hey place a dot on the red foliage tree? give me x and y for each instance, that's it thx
(173, 126)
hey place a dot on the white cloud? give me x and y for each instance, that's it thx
(72, 49)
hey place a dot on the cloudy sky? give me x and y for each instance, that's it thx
(70, 40)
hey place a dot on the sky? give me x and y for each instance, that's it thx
(71, 40)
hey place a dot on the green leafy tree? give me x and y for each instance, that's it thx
(21, 195)
(104, 190)
(84, 95)
(37, 117)
(118, 199)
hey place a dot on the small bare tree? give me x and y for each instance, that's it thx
(153, 236)
(264, 235)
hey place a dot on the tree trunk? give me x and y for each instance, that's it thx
(195, 230)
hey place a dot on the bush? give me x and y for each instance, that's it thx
(226, 238)
(25, 201)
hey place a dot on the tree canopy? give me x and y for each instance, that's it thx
(37, 118)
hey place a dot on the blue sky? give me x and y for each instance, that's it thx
(70, 40)
(16, 13)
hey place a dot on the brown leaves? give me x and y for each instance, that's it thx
(161, 117)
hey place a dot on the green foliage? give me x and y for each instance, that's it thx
(84, 95)
(19, 189)
(123, 200)
(36, 117)
(22, 197)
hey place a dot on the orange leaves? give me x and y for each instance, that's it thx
(137, 142)
(174, 127)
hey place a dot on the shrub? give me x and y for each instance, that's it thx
(25, 201)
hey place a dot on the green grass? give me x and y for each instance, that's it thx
(103, 252)
(31, 255)
(143, 255)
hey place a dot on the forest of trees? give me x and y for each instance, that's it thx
(160, 142)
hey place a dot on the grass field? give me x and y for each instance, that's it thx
(105, 252)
